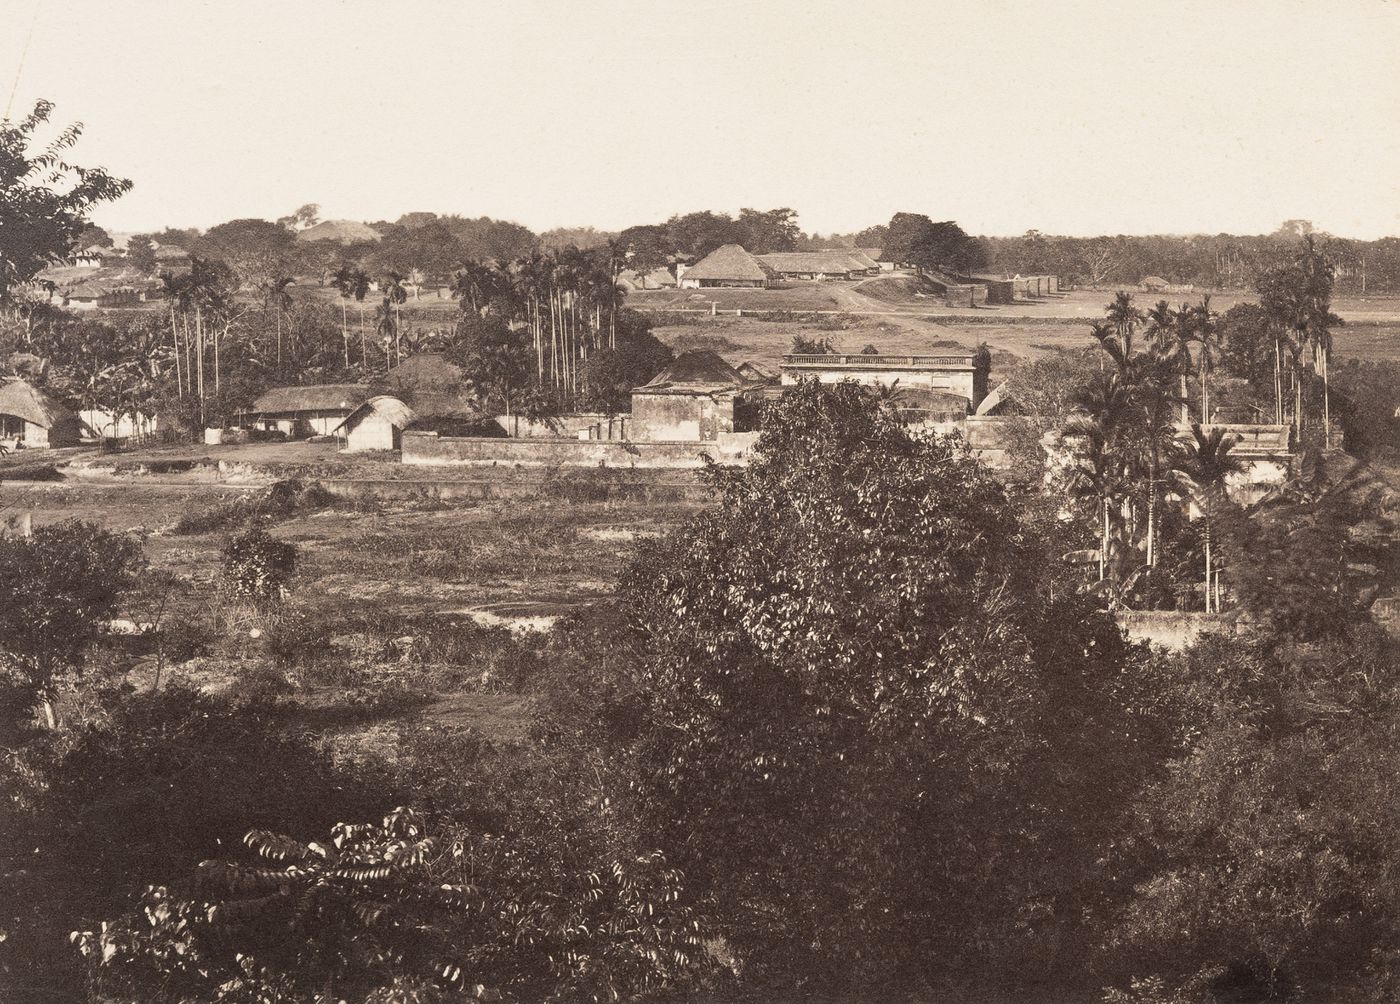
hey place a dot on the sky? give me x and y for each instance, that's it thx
(1074, 118)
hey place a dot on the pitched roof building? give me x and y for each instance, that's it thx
(837, 264)
(33, 419)
(377, 424)
(691, 400)
(727, 266)
(313, 410)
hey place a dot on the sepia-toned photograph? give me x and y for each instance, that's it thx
(614, 502)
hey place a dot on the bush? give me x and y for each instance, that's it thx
(280, 500)
(1264, 860)
(139, 793)
(257, 568)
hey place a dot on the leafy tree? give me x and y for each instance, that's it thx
(139, 788)
(257, 251)
(695, 235)
(917, 240)
(141, 253)
(774, 230)
(430, 248)
(303, 218)
(496, 361)
(1263, 859)
(58, 588)
(187, 239)
(1366, 393)
(1247, 346)
(611, 374)
(93, 236)
(44, 200)
(847, 715)
(646, 248)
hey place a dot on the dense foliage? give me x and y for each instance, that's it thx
(58, 588)
(44, 200)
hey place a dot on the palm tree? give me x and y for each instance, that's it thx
(1155, 441)
(1124, 316)
(276, 296)
(1202, 473)
(1206, 334)
(389, 320)
(1099, 470)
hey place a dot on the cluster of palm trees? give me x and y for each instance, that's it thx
(1297, 299)
(202, 310)
(1127, 455)
(567, 299)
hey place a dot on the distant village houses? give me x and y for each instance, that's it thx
(315, 410)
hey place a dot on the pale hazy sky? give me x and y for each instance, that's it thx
(1074, 117)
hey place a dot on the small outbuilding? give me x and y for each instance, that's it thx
(31, 419)
(377, 424)
(692, 400)
(313, 410)
(1153, 284)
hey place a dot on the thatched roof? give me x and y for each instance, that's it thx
(814, 261)
(391, 409)
(873, 254)
(657, 278)
(698, 370)
(425, 372)
(1153, 280)
(315, 397)
(21, 399)
(728, 262)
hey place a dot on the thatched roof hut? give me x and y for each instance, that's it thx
(377, 424)
(34, 418)
(729, 265)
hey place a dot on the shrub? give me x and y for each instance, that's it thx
(280, 500)
(139, 793)
(257, 568)
(57, 588)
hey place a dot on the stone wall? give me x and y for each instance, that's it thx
(681, 417)
(1173, 630)
(430, 449)
(598, 425)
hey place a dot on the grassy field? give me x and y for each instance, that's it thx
(418, 610)
(741, 339)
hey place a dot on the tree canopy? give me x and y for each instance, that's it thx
(44, 200)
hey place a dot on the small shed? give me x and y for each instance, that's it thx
(31, 419)
(314, 410)
(692, 400)
(1153, 284)
(377, 424)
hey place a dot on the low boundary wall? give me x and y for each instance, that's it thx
(430, 449)
(1173, 630)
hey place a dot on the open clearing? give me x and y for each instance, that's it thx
(413, 611)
